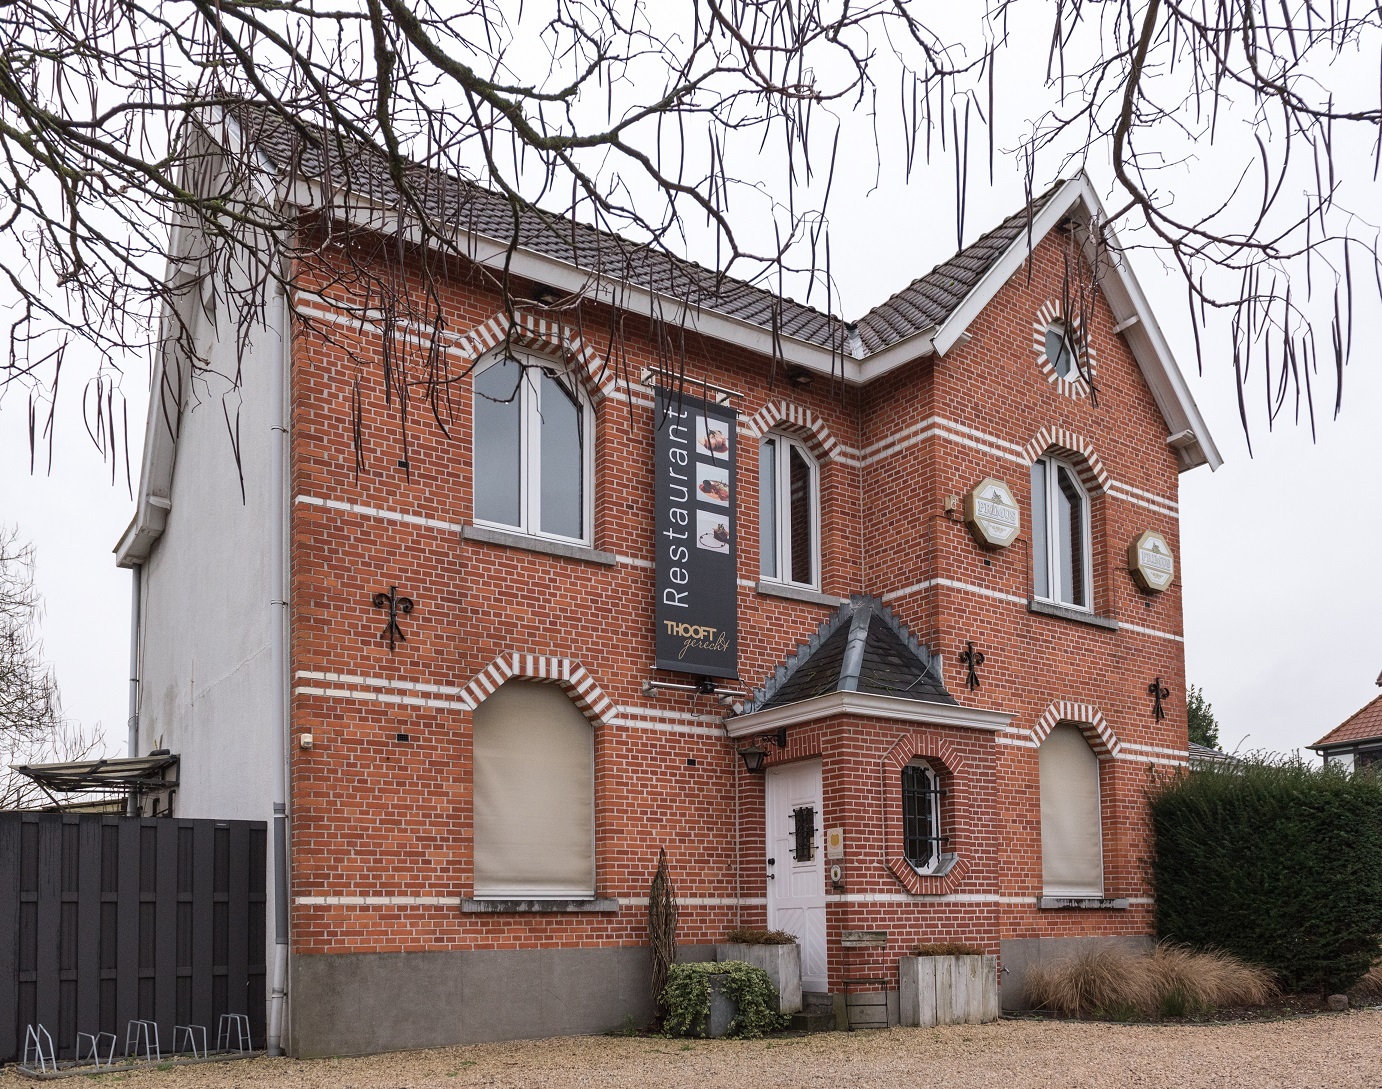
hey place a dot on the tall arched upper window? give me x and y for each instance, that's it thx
(533, 449)
(1072, 854)
(534, 795)
(788, 512)
(1061, 567)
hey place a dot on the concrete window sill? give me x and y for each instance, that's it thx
(536, 907)
(531, 543)
(798, 593)
(1081, 903)
(1064, 612)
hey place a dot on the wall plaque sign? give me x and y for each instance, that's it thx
(1151, 563)
(992, 513)
(697, 529)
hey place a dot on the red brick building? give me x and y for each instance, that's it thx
(476, 807)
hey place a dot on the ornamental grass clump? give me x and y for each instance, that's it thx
(948, 949)
(687, 999)
(1108, 982)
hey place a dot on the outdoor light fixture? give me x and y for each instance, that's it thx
(755, 754)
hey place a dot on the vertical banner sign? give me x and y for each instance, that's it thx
(697, 583)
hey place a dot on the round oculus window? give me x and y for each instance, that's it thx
(1058, 350)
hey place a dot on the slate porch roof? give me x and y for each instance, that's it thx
(923, 304)
(1363, 725)
(862, 648)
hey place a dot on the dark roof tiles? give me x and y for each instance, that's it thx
(862, 648)
(926, 302)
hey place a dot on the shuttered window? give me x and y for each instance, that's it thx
(534, 795)
(1072, 857)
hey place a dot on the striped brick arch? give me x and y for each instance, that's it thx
(792, 418)
(1088, 718)
(1074, 386)
(566, 673)
(527, 331)
(1073, 448)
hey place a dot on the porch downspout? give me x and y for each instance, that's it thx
(278, 641)
(132, 722)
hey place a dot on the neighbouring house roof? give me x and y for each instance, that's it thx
(862, 648)
(1204, 756)
(1364, 724)
(117, 775)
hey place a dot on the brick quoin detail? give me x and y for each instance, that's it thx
(1073, 448)
(955, 775)
(567, 675)
(1074, 386)
(1090, 721)
(792, 418)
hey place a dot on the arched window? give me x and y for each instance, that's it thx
(1061, 567)
(921, 817)
(534, 795)
(1072, 853)
(533, 459)
(1059, 351)
(788, 512)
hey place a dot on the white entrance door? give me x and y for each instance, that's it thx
(796, 863)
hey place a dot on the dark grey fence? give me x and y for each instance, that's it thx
(107, 919)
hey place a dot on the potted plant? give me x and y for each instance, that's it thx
(720, 998)
(950, 983)
(776, 952)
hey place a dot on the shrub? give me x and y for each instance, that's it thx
(1172, 981)
(1277, 862)
(687, 999)
(948, 949)
(1369, 988)
(746, 935)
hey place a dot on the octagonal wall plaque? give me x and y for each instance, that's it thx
(992, 513)
(1151, 563)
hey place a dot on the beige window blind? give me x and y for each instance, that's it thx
(534, 795)
(1072, 857)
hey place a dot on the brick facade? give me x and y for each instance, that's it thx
(382, 828)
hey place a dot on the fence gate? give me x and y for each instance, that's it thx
(107, 919)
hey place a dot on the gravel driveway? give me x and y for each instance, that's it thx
(1324, 1051)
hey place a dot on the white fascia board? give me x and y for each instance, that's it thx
(864, 703)
(955, 326)
(565, 276)
(917, 346)
(1127, 301)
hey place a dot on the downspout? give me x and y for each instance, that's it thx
(132, 722)
(278, 643)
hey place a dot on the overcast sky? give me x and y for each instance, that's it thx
(1283, 596)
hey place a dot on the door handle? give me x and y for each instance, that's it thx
(772, 862)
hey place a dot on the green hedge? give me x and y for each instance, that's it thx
(1279, 863)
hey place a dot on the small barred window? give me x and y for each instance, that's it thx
(921, 817)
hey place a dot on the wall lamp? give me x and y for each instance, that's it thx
(755, 755)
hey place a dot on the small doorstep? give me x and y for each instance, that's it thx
(537, 907)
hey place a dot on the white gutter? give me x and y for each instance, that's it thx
(132, 722)
(278, 653)
(865, 703)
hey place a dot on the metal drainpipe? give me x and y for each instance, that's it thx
(278, 604)
(132, 723)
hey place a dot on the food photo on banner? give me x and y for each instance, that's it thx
(697, 588)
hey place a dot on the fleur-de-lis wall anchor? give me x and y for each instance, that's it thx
(1158, 692)
(397, 606)
(972, 659)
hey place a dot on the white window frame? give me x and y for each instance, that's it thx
(1052, 536)
(530, 453)
(782, 527)
(938, 856)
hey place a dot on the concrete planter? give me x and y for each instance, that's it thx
(947, 990)
(722, 1009)
(781, 962)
